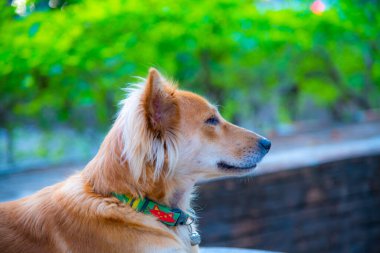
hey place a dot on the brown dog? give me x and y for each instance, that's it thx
(134, 196)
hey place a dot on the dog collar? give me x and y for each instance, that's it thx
(169, 216)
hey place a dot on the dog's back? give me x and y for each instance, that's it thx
(69, 217)
(23, 226)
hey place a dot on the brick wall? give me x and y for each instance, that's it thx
(333, 207)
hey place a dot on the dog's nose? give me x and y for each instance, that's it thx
(265, 143)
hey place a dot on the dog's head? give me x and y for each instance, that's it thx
(180, 133)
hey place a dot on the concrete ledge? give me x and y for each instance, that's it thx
(324, 208)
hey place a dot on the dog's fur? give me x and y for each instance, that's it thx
(163, 141)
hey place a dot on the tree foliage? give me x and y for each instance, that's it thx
(262, 64)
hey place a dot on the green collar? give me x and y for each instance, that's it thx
(168, 216)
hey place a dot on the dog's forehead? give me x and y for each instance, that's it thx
(196, 102)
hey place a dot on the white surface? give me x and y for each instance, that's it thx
(308, 156)
(232, 250)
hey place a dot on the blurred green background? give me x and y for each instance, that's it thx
(268, 64)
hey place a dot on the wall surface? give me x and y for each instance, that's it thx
(333, 207)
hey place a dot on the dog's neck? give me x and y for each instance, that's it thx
(107, 173)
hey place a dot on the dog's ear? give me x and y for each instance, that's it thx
(160, 104)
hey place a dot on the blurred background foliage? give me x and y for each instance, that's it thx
(266, 63)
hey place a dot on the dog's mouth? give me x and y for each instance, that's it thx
(225, 166)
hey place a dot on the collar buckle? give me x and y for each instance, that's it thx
(183, 219)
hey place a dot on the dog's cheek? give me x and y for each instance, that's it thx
(209, 134)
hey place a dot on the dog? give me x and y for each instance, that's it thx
(135, 194)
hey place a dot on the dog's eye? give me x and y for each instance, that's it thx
(212, 121)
